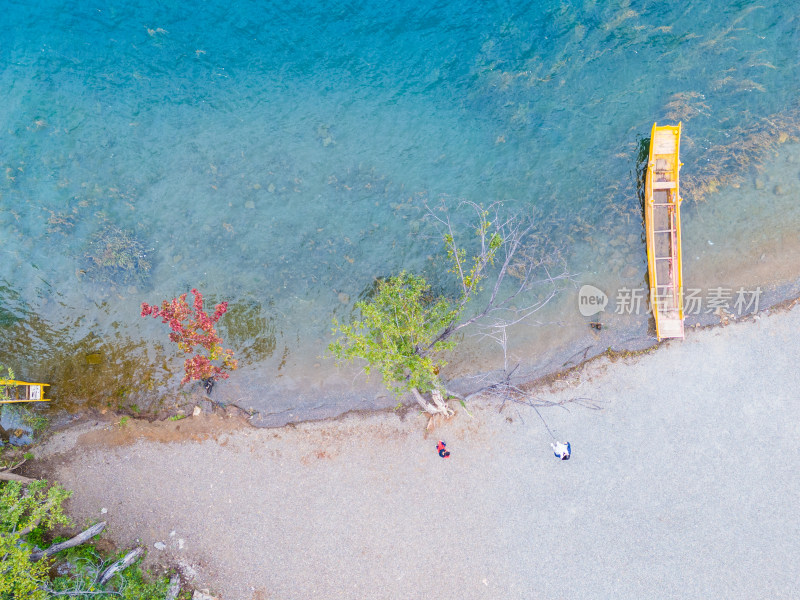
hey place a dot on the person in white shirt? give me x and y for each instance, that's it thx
(561, 450)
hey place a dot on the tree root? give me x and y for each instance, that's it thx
(437, 406)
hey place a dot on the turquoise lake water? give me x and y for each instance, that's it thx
(281, 158)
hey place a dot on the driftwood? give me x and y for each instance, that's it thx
(174, 587)
(79, 539)
(120, 565)
(6, 476)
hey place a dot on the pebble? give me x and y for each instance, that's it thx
(196, 412)
(249, 204)
(344, 298)
(103, 511)
(778, 190)
(160, 546)
(271, 188)
(759, 184)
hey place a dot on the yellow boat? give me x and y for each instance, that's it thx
(662, 216)
(23, 391)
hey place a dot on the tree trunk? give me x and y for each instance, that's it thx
(120, 565)
(79, 539)
(439, 406)
(426, 406)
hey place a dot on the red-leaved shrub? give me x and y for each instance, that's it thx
(192, 327)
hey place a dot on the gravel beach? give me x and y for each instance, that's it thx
(684, 484)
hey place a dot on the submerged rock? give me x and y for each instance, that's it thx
(12, 420)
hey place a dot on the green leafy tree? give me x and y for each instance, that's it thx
(5, 393)
(21, 512)
(28, 511)
(404, 329)
(397, 334)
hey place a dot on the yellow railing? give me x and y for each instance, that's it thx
(677, 277)
(30, 392)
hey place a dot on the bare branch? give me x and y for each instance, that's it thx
(14, 467)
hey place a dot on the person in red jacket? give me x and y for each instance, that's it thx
(440, 448)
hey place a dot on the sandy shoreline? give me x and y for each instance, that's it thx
(679, 487)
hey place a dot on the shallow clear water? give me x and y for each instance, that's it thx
(281, 158)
